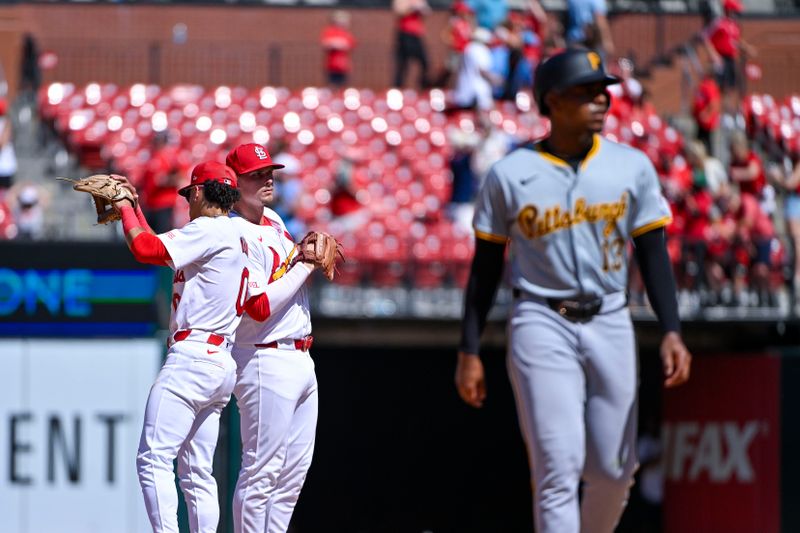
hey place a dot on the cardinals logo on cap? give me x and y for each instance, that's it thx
(261, 153)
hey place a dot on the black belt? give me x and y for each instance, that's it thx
(578, 310)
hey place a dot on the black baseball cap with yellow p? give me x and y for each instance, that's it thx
(572, 67)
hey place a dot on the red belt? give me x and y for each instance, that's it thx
(303, 344)
(212, 338)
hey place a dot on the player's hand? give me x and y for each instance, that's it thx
(470, 380)
(676, 360)
(127, 184)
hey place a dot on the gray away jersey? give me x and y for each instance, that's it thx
(569, 231)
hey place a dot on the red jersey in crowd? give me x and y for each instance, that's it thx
(343, 202)
(754, 223)
(706, 97)
(755, 186)
(412, 23)
(674, 233)
(160, 191)
(460, 32)
(533, 32)
(722, 233)
(698, 215)
(724, 35)
(338, 42)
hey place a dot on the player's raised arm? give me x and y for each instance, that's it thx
(138, 206)
(141, 239)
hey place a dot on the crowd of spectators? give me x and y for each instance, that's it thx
(724, 243)
(726, 185)
(727, 240)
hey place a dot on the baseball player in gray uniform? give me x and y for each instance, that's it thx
(567, 208)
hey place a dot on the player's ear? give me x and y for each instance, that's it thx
(550, 99)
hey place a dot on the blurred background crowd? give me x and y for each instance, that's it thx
(392, 169)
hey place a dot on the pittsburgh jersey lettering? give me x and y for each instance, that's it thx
(554, 219)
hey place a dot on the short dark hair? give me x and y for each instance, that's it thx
(221, 194)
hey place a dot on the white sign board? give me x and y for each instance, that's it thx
(70, 416)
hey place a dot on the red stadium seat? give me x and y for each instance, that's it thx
(396, 140)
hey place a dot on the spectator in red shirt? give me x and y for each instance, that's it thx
(456, 35)
(532, 20)
(724, 43)
(409, 45)
(705, 247)
(160, 184)
(706, 108)
(746, 167)
(697, 206)
(349, 213)
(721, 262)
(755, 233)
(338, 43)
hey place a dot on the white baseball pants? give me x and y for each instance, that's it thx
(182, 421)
(576, 392)
(276, 391)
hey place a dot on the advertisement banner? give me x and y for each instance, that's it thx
(65, 289)
(70, 417)
(721, 435)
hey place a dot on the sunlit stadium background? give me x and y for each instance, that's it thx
(92, 87)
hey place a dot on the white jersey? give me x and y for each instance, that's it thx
(270, 249)
(209, 259)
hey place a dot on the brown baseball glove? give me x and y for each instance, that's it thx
(105, 190)
(320, 249)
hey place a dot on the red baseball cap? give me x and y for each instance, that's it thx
(249, 157)
(461, 8)
(733, 5)
(210, 171)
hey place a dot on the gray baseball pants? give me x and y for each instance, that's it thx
(576, 388)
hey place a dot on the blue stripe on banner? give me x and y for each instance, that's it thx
(77, 329)
(116, 285)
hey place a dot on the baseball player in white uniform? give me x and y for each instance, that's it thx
(209, 291)
(567, 207)
(276, 388)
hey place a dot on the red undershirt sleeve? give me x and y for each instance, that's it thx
(147, 248)
(142, 221)
(278, 294)
(258, 307)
